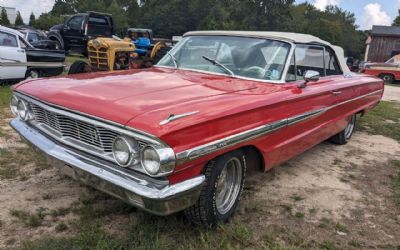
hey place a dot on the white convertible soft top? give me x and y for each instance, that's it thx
(284, 36)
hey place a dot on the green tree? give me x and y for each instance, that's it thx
(46, 21)
(63, 7)
(32, 19)
(18, 20)
(4, 18)
(396, 21)
(119, 17)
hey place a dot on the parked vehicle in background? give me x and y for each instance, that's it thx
(77, 30)
(389, 71)
(38, 39)
(148, 48)
(181, 135)
(105, 54)
(353, 64)
(19, 59)
(137, 50)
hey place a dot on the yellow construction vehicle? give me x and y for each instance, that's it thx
(108, 54)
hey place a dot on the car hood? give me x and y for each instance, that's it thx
(122, 96)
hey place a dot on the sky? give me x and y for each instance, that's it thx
(367, 12)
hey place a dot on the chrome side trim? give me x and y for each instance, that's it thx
(211, 147)
(173, 117)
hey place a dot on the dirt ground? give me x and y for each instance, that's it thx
(392, 93)
(328, 194)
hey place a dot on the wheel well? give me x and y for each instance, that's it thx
(254, 158)
(56, 38)
(382, 74)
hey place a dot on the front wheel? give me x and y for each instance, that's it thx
(79, 67)
(387, 78)
(344, 136)
(221, 192)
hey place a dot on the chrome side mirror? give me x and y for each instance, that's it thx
(310, 76)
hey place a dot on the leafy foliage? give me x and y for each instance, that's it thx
(175, 17)
(19, 21)
(32, 19)
(4, 18)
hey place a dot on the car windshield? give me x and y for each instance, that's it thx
(395, 59)
(240, 56)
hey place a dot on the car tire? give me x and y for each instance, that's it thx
(33, 74)
(78, 67)
(221, 192)
(387, 78)
(344, 136)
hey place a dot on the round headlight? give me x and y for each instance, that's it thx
(151, 160)
(13, 105)
(96, 43)
(125, 151)
(22, 110)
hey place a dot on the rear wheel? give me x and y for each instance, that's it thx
(344, 136)
(79, 67)
(221, 193)
(387, 78)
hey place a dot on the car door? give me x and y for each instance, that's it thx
(12, 57)
(73, 32)
(310, 118)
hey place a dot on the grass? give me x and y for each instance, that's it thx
(376, 121)
(29, 219)
(150, 232)
(5, 95)
(341, 228)
(61, 226)
(297, 197)
(13, 160)
(396, 183)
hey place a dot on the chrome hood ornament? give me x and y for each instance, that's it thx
(173, 117)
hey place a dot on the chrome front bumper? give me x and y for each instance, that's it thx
(154, 196)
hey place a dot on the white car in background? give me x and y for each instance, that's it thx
(19, 59)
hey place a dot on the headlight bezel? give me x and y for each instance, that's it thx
(26, 108)
(133, 149)
(13, 105)
(166, 158)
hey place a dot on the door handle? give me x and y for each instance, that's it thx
(336, 92)
(21, 51)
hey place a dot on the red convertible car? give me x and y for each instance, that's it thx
(183, 134)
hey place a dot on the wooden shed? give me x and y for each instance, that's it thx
(383, 43)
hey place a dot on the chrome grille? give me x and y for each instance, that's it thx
(68, 127)
(98, 58)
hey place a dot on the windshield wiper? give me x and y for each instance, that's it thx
(215, 62)
(174, 60)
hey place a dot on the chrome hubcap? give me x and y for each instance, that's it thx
(228, 186)
(350, 127)
(387, 78)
